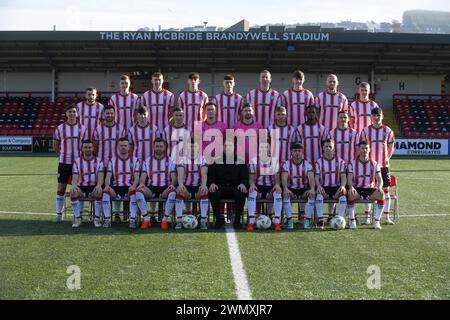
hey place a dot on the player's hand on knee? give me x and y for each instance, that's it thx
(181, 189)
(253, 188)
(277, 188)
(321, 191)
(242, 188)
(287, 194)
(203, 190)
(213, 188)
(310, 193)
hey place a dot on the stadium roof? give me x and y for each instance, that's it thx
(311, 49)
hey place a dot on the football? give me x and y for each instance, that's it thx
(189, 222)
(337, 223)
(263, 222)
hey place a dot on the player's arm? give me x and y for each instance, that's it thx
(179, 179)
(379, 181)
(311, 182)
(100, 180)
(390, 145)
(251, 182)
(204, 176)
(142, 179)
(277, 178)
(284, 183)
(319, 188)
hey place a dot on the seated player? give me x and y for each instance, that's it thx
(264, 182)
(297, 178)
(87, 181)
(156, 181)
(192, 175)
(365, 182)
(121, 181)
(331, 180)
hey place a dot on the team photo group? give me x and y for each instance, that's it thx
(273, 150)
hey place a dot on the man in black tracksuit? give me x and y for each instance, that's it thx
(228, 181)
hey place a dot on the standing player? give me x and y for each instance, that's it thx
(297, 178)
(67, 143)
(311, 134)
(281, 135)
(192, 176)
(121, 181)
(156, 181)
(264, 182)
(193, 101)
(360, 109)
(212, 129)
(345, 138)
(125, 104)
(330, 102)
(159, 101)
(228, 102)
(88, 177)
(142, 135)
(365, 182)
(247, 133)
(331, 179)
(264, 99)
(381, 140)
(107, 135)
(90, 111)
(297, 100)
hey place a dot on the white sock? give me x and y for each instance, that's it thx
(179, 204)
(367, 208)
(342, 205)
(59, 204)
(379, 209)
(309, 208)
(387, 204)
(76, 208)
(331, 209)
(287, 208)
(251, 206)
(97, 208)
(204, 207)
(133, 206)
(81, 206)
(277, 206)
(106, 200)
(351, 211)
(319, 206)
(142, 204)
(170, 203)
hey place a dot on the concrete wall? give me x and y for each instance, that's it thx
(211, 83)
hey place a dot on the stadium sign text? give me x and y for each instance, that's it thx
(213, 36)
(16, 144)
(421, 147)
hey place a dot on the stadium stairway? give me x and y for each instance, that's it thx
(389, 120)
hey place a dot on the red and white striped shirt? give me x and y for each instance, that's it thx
(122, 171)
(90, 115)
(264, 104)
(125, 107)
(158, 171)
(70, 138)
(193, 104)
(108, 139)
(345, 142)
(296, 103)
(379, 140)
(176, 140)
(329, 171)
(311, 136)
(265, 172)
(193, 171)
(363, 173)
(228, 108)
(159, 105)
(298, 173)
(361, 111)
(142, 140)
(87, 171)
(330, 105)
(281, 138)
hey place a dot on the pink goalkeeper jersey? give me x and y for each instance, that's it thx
(251, 132)
(210, 134)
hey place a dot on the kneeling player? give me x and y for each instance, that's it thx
(87, 181)
(365, 182)
(331, 180)
(264, 181)
(192, 175)
(121, 181)
(298, 183)
(159, 170)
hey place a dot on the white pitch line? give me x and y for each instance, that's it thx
(31, 213)
(426, 215)
(240, 277)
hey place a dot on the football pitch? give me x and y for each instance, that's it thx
(412, 256)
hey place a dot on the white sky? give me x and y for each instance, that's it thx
(133, 14)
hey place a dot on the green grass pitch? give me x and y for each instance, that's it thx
(413, 255)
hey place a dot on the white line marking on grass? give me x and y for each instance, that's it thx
(32, 213)
(240, 277)
(425, 215)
